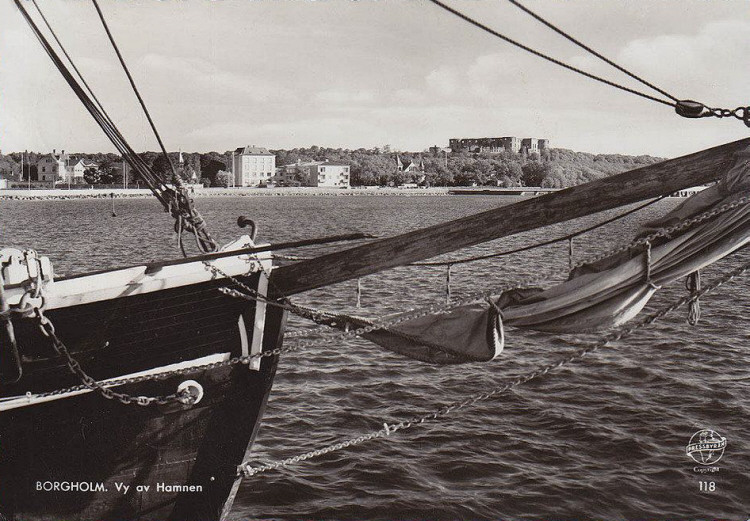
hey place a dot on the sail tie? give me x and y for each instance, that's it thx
(647, 264)
(693, 284)
(571, 258)
(448, 283)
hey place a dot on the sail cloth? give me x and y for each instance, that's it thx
(597, 296)
(475, 334)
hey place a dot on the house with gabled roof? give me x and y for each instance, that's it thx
(62, 167)
(406, 166)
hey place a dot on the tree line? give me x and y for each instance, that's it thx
(554, 168)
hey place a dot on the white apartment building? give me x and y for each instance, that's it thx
(317, 173)
(253, 166)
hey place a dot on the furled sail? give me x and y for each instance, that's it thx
(597, 296)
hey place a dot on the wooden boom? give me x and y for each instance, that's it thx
(602, 194)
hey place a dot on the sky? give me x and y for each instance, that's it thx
(221, 74)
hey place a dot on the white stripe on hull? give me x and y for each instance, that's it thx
(14, 402)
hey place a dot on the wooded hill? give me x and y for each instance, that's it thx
(554, 168)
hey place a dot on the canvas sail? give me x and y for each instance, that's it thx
(596, 297)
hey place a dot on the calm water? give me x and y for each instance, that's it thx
(602, 439)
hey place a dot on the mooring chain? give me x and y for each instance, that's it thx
(48, 330)
(245, 360)
(433, 309)
(667, 231)
(246, 469)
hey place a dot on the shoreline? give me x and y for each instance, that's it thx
(142, 193)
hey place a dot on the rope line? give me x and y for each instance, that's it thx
(155, 184)
(72, 63)
(178, 182)
(176, 202)
(590, 50)
(564, 65)
(540, 244)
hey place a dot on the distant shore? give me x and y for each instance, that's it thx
(103, 193)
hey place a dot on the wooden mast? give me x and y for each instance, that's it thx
(602, 194)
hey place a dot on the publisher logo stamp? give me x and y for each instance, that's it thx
(706, 447)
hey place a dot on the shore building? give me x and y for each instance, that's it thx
(52, 167)
(325, 174)
(406, 166)
(62, 168)
(253, 166)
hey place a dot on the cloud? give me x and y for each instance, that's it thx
(444, 81)
(345, 131)
(204, 78)
(711, 64)
(346, 97)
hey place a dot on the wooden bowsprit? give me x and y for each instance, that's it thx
(579, 201)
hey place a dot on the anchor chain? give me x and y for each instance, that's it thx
(48, 330)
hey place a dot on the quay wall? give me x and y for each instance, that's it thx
(95, 193)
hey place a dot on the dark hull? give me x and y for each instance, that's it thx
(93, 444)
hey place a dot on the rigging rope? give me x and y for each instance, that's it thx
(72, 63)
(177, 180)
(99, 116)
(590, 50)
(528, 49)
(540, 244)
(684, 108)
(177, 201)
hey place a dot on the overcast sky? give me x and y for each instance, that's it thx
(342, 73)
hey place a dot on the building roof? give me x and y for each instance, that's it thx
(333, 163)
(300, 163)
(252, 150)
(55, 157)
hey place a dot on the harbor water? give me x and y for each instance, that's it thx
(603, 438)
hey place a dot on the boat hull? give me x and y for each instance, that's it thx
(82, 457)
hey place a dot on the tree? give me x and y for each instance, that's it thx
(91, 176)
(211, 164)
(441, 176)
(534, 173)
(162, 167)
(224, 179)
(106, 172)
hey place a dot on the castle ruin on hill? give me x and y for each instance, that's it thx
(496, 145)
